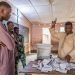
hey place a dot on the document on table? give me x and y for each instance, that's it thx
(54, 64)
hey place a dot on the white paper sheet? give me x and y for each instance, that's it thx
(54, 64)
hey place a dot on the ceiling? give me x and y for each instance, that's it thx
(44, 11)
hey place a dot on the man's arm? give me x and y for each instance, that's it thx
(54, 35)
(5, 38)
(21, 40)
(67, 48)
(72, 53)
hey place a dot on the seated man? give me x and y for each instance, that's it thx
(66, 49)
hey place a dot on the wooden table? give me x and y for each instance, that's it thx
(33, 71)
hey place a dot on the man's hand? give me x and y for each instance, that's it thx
(53, 23)
(68, 57)
(2, 44)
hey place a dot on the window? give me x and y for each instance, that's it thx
(62, 29)
(46, 36)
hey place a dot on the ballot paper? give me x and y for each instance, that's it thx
(54, 64)
(60, 70)
(46, 69)
(72, 65)
(34, 66)
(46, 61)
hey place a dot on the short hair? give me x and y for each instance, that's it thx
(3, 3)
(68, 23)
(15, 28)
(9, 22)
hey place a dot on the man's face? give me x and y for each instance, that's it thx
(17, 31)
(68, 29)
(10, 26)
(5, 12)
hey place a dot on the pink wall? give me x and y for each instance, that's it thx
(36, 34)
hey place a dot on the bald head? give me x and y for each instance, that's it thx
(2, 3)
(5, 10)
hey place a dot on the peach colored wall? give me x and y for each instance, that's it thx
(36, 34)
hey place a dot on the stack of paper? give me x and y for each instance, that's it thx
(54, 64)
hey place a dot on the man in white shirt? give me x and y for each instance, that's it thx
(66, 41)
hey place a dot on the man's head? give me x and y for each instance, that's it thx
(5, 10)
(68, 27)
(16, 30)
(10, 25)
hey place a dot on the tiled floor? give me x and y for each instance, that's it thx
(29, 58)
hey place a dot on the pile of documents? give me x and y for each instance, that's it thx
(54, 64)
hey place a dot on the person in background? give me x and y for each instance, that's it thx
(19, 46)
(66, 50)
(10, 28)
(7, 44)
